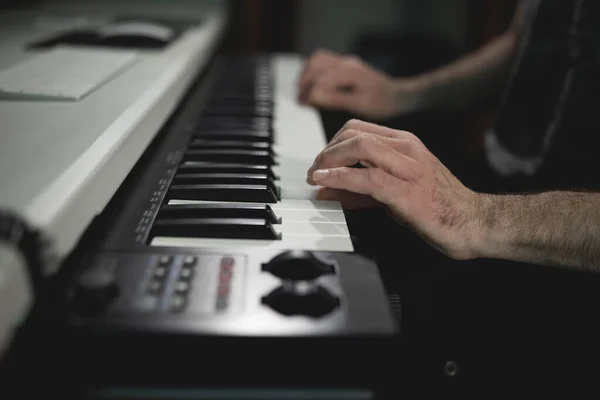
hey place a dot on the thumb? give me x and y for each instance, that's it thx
(349, 200)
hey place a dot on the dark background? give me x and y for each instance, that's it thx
(401, 37)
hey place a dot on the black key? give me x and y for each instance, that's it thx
(234, 123)
(225, 179)
(225, 101)
(210, 144)
(254, 157)
(239, 193)
(232, 210)
(234, 135)
(251, 95)
(215, 228)
(199, 167)
(228, 111)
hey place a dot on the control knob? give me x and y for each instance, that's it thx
(95, 290)
(298, 265)
(301, 298)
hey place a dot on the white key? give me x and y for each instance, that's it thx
(301, 242)
(299, 132)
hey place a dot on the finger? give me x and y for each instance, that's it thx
(379, 130)
(335, 88)
(349, 200)
(373, 182)
(314, 68)
(368, 148)
(320, 58)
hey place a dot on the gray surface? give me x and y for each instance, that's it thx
(60, 163)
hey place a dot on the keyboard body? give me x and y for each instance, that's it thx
(224, 285)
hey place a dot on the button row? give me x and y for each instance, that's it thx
(160, 276)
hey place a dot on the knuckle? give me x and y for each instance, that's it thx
(342, 175)
(349, 133)
(362, 142)
(352, 60)
(320, 52)
(375, 177)
(351, 124)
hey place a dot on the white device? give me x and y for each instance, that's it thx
(62, 73)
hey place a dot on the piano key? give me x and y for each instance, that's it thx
(226, 179)
(253, 157)
(231, 179)
(234, 134)
(284, 204)
(239, 101)
(199, 167)
(265, 96)
(229, 144)
(224, 110)
(215, 228)
(288, 242)
(236, 193)
(310, 228)
(256, 123)
(228, 210)
(315, 211)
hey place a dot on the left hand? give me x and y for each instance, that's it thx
(405, 176)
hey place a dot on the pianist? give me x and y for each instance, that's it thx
(542, 138)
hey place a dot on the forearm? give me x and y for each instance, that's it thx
(553, 228)
(476, 77)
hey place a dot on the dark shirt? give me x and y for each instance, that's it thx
(548, 120)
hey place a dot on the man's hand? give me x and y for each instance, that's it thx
(402, 174)
(334, 81)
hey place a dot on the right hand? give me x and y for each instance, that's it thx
(335, 81)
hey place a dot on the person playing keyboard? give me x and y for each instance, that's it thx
(541, 137)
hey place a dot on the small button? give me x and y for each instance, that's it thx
(165, 260)
(146, 303)
(177, 303)
(182, 286)
(189, 261)
(186, 273)
(160, 272)
(227, 262)
(224, 279)
(223, 290)
(154, 286)
(221, 304)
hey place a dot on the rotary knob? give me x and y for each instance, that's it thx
(96, 289)
(298, 265)
(302, 298)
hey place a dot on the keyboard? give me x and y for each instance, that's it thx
(251, 146)
(215, 237)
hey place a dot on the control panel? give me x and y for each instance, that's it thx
(285, 293)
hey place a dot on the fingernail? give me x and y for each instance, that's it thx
(320, 174)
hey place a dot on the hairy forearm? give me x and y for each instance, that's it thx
(553, 228)
(474, 78)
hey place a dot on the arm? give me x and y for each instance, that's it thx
(470, 79)
(334, 81)
(553, 228)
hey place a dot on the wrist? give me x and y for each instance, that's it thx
(493, 237)
(409, 95)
